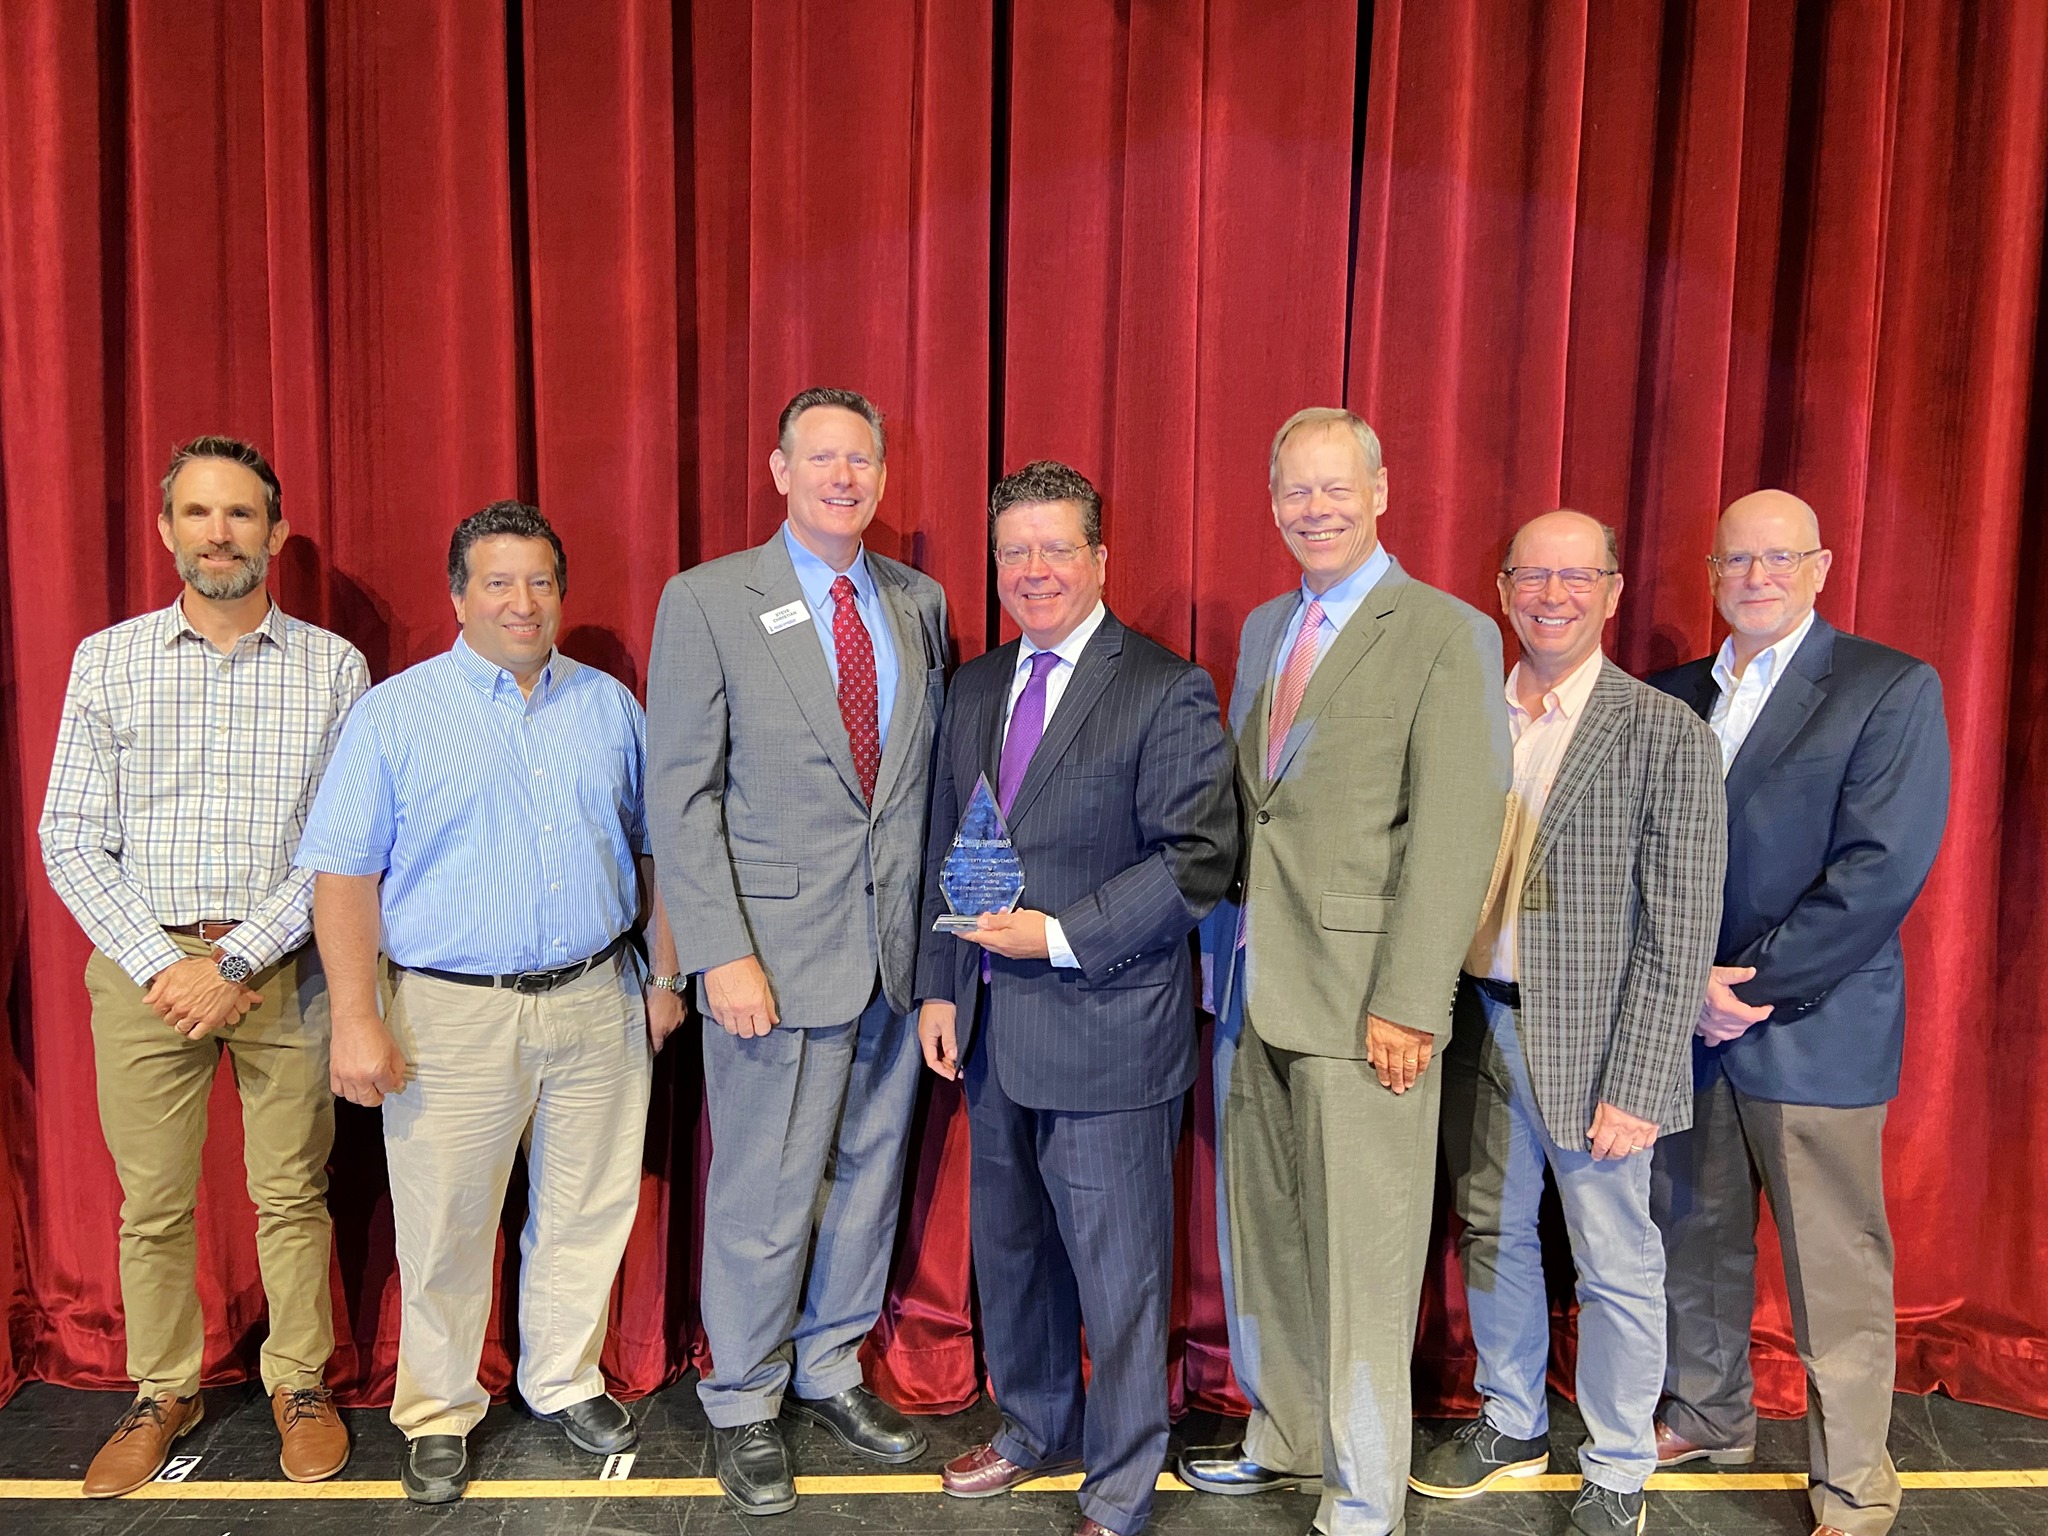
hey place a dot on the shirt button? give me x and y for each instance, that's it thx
(556, 886)
(560, 943)
(1264, 817)
(536, 773)
(549, 827)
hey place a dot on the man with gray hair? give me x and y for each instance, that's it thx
(190, 747)
(793, 694)
(1372, 770)
(1570, 1037)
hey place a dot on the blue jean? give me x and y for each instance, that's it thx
(1497, 1147)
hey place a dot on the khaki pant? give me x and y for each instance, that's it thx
(1331, 1180)
(1822, 1169)
(153, 1088)
(486, 1062)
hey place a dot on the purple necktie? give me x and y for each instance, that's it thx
(1027, 725)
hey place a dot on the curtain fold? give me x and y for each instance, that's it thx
(1632, 258)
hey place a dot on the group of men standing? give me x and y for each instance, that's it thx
(1642, 936)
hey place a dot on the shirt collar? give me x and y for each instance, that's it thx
(1068, 650)
(1572, 692)
(1342, 600)
(176, 626)
(491, 680)
(1773, 659)
(816, 577)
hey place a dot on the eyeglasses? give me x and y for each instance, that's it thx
(1010, 556)
(1576, 578)
(1778, 562)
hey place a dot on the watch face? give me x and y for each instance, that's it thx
(233, 968)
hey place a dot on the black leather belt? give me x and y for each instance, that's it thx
(1507, 993)
(529, 981)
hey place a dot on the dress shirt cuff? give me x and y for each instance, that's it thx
(1057, 948)
(153, 951)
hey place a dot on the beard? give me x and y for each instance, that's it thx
(224, 586)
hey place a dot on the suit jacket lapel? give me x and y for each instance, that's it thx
(912, 665)
(1607, 715)
(1255, 710)
(1338, 663)
(1798, 694)
(1705, 691)
(800, 655)
(993, 699)
(1092, 674)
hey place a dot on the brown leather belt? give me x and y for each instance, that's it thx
(207, 932)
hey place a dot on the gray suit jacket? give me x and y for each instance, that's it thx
(1366, 860)
(761, 840)
(1621, 908)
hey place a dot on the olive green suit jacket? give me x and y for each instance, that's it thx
(1367, 856)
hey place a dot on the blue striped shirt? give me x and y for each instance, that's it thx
(505, 827)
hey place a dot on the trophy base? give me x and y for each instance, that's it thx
(955, 922)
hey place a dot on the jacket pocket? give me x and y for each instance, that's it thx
(762, 877)
(1355, 914)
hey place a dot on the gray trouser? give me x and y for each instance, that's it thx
(800, 1118)
(1331, 1183)
(1822, 1170)
(1244, 1363)
(1497, 1147)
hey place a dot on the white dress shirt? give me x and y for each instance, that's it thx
(1540, 745)
(1743, 699)
(1069, 653)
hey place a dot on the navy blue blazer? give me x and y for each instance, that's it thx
(1126, 824)
(1836, 806)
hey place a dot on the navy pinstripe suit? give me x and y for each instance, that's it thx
(1126, 825)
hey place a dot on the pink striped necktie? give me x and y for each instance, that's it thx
(1301, 662)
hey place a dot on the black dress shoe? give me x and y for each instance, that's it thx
(753, 1468)
(1227, 1470)
(434, 1469)
(599, 1425)
(862, 1422)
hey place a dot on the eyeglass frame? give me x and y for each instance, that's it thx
(1799, 557)
(1593, 574)
(1024, 552)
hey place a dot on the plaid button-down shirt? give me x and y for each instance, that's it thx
(182, 780)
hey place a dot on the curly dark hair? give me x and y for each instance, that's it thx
(1044, 480)
(503, 517)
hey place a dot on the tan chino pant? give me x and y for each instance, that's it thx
(1822, 1169)
(153, 1089)
(486, 1062)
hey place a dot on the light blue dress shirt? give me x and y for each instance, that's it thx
(505, 826)
(816, 578)
(1339, 603)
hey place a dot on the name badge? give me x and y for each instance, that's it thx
(776, 620)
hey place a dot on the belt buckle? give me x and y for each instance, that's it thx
(532, 983)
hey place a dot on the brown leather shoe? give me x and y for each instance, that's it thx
(983, 1472)
(1828, 1530)
(1674, 1450)
(141, 1443)
(315, 1440)
(1089, 1527)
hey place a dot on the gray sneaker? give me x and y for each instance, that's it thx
(1601, 1511)
(1475, 1458)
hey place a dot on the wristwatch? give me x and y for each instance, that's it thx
(675, 983)
(231, 967)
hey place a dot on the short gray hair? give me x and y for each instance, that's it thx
(1323, 416)
(839, 399)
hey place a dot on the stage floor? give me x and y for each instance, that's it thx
(1968, 1470)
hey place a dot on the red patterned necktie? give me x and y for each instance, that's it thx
(857, 705)
(1301, 662)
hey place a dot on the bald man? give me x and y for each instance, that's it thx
(1836, 761)
(1570, 1035)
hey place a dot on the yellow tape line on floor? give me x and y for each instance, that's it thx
(921, 1482)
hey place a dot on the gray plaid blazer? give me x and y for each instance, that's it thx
(1621, 909)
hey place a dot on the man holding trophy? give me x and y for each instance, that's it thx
(1067, 1003)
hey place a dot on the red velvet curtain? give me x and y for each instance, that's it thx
(1637, 258)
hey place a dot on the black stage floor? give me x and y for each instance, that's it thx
(1969, 1470)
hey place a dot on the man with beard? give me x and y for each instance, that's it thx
(190, 746)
